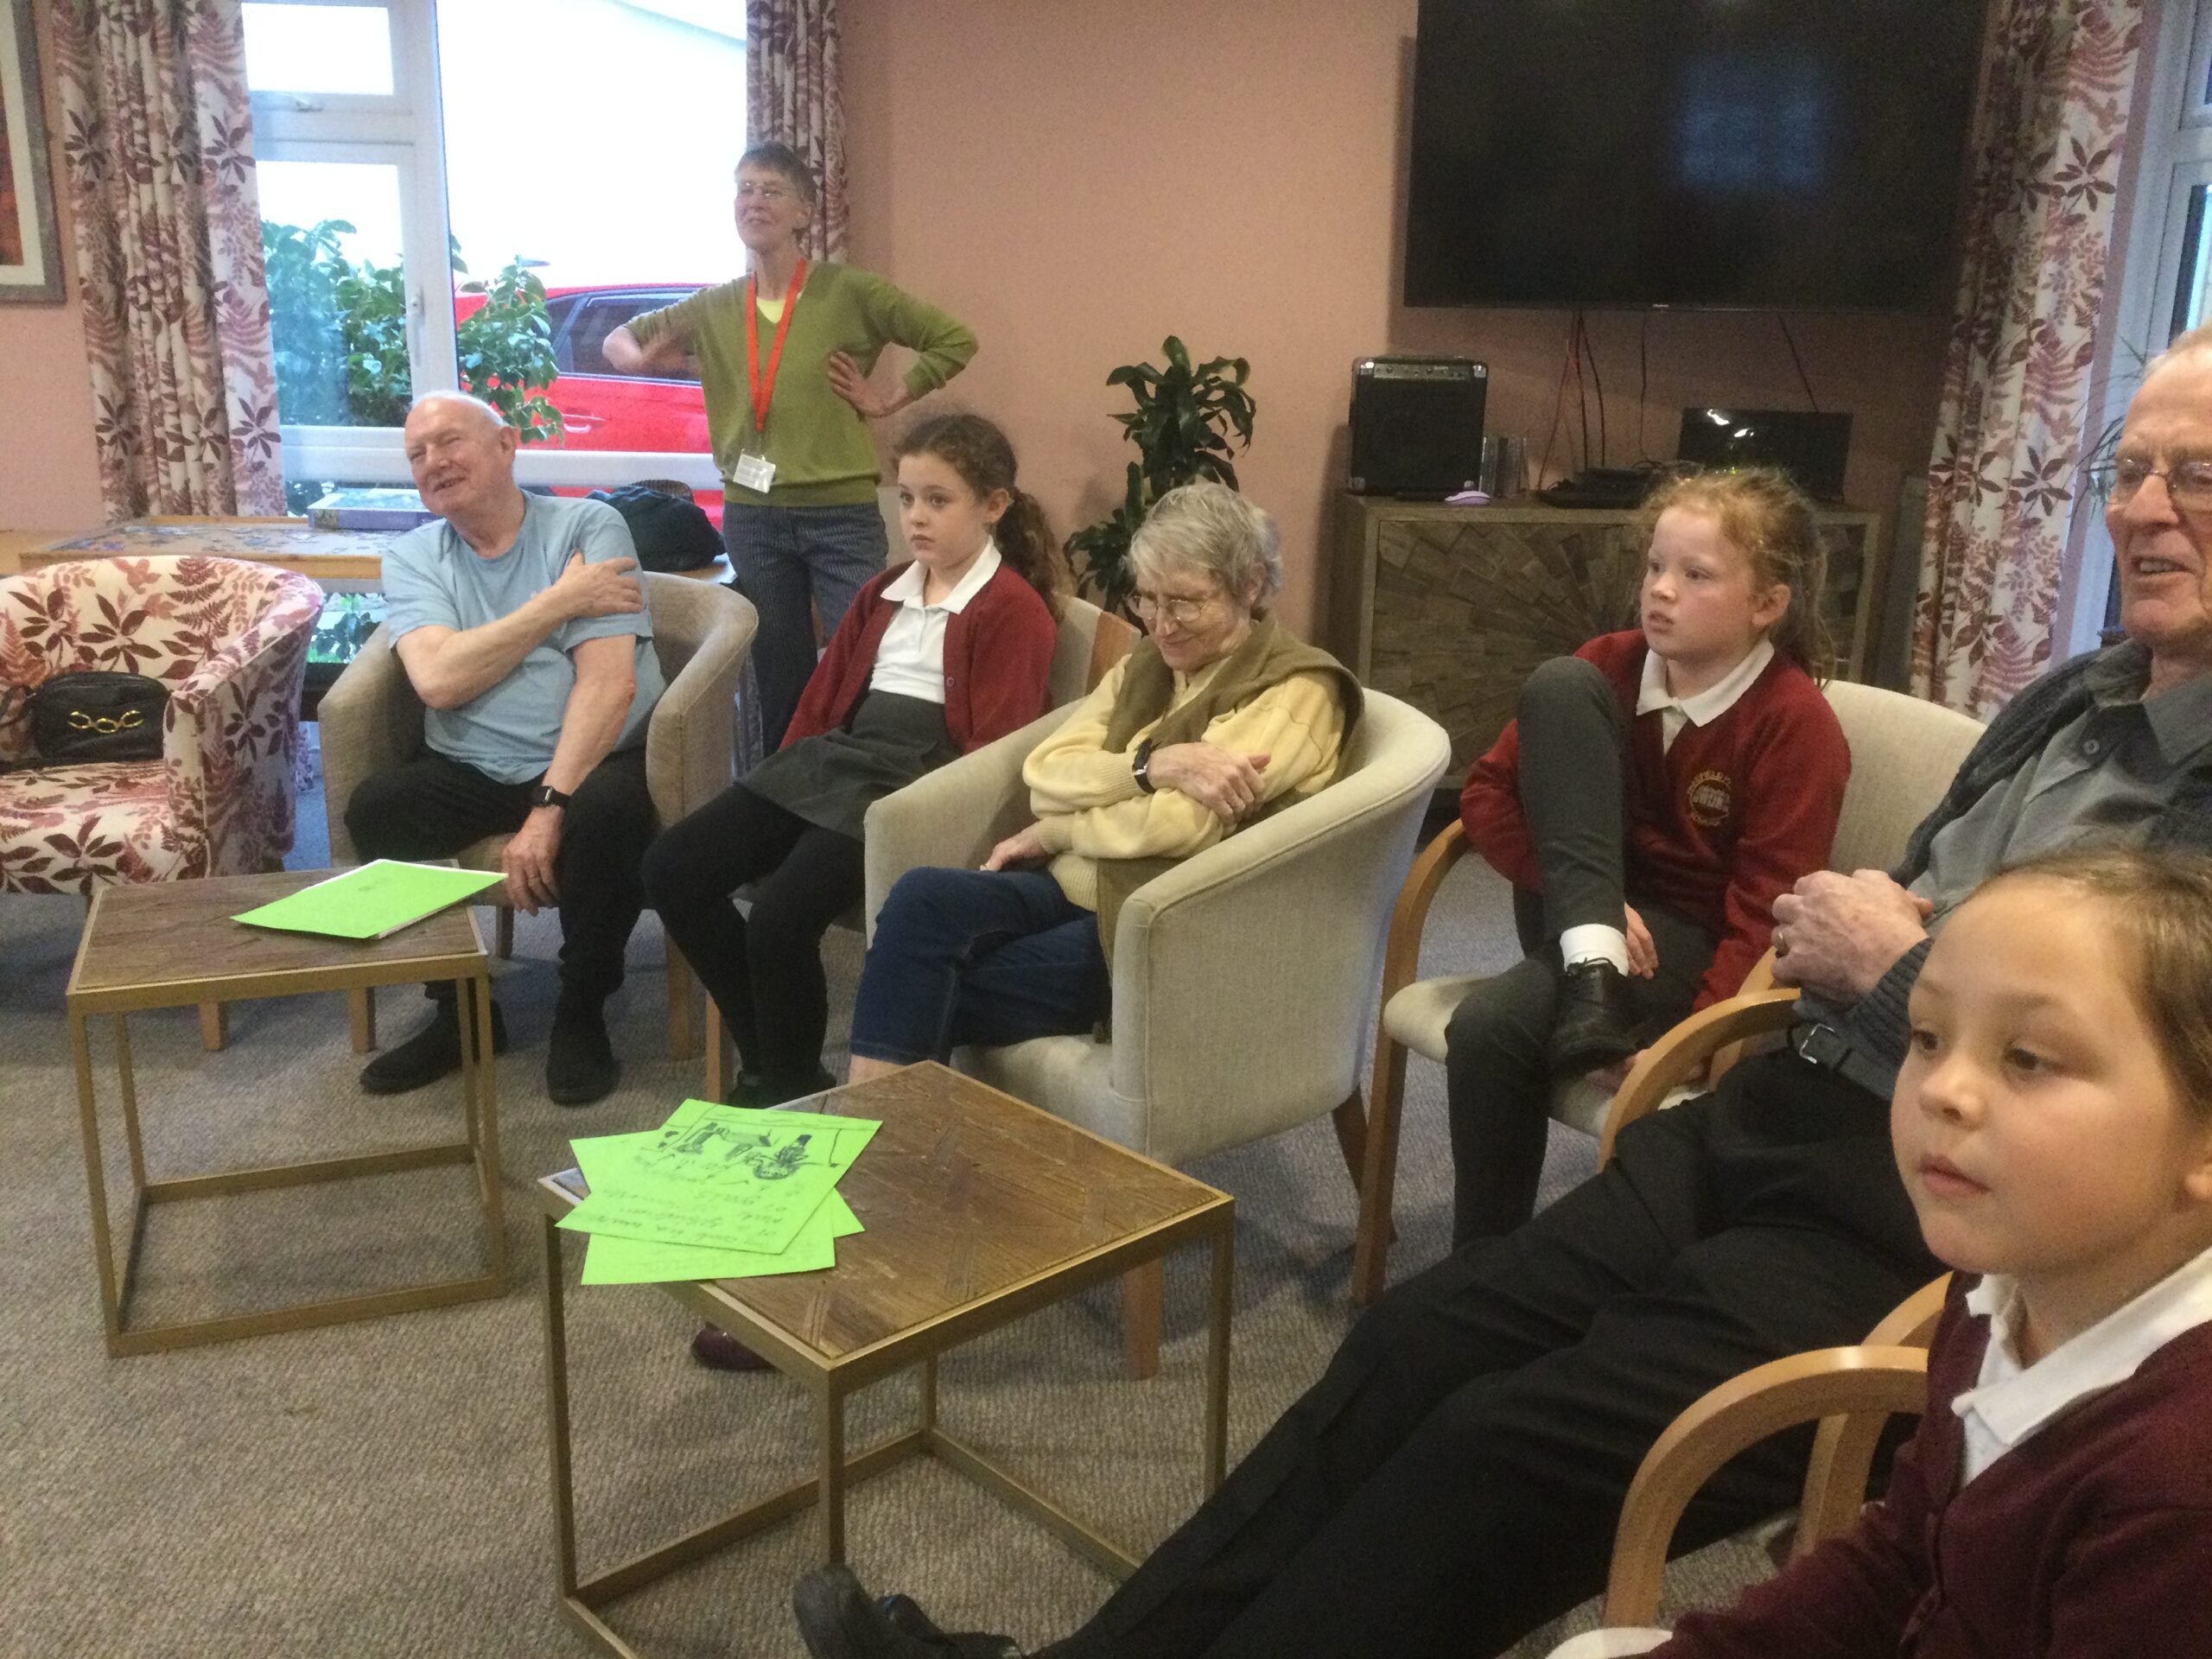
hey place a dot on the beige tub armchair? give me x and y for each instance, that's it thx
(373, 721)
(1904, 753)
(1242, 976)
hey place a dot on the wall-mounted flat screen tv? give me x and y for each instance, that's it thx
(1711, 153)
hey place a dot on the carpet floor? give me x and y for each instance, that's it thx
(382, 1488)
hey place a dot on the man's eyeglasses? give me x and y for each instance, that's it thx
(762, 192)
(2188, 483)
(1150, 608)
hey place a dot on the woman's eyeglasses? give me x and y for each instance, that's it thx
(762, 192)
(1150, 608)
(2188, 483)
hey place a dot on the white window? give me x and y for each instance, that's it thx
(472, 193)
(2164, 272)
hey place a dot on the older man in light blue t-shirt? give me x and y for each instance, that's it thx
(522, 625)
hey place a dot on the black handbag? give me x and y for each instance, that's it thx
(92, 714)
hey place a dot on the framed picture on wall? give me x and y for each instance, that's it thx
(30, 248)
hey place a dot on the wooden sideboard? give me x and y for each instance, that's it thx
(1452, 607)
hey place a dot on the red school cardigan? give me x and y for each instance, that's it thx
(1719, 825)
(2092, 1540)
(998, 660)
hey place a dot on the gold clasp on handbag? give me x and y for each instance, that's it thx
(107, 724)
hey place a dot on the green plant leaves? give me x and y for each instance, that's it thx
(338, 334)
(1185, 424)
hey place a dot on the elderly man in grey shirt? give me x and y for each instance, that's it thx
(521, 625)
(1454, 1478)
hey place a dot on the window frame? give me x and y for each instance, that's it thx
(2171, 130)
(406, 129)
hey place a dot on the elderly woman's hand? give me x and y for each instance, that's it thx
(1228, 785)
(1026, 847)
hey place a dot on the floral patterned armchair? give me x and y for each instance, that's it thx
(230, 640)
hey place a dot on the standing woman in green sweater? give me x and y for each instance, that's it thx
(783, 356)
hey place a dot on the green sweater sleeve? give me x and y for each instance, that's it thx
(824, 454)
(941, 345)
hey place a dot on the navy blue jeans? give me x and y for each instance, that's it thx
(989, 957)
(796, 563)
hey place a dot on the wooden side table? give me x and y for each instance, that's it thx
(978, 1208)
(168, 944)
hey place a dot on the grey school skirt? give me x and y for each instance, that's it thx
(832, 778)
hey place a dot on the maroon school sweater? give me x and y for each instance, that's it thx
(2091, 1539)
(998, 661)
(1720, 824)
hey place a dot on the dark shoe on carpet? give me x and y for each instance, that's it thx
(1596, 1022)
(718, 1351)
(906, 1615)
(579, 1063)
(839, 1621)
(784, 1091)
(431, 1054)
(759, 1092)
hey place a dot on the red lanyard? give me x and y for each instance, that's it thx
(763, 390)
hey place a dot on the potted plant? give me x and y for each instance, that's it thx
(1184, 421)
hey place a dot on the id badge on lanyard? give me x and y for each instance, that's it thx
(754, 470)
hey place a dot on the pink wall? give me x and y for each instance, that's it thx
(49, 476)
(1078, 181)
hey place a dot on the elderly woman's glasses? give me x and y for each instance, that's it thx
(762, 192)
(1182, 612)
(2188, 483)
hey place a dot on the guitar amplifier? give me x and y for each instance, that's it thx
(1416, 425)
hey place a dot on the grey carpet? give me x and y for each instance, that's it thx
(382, 1488)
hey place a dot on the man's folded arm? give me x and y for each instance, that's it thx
(598, 708)
(449, 666)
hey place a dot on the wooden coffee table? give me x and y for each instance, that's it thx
(978, 1208)
(172, 944)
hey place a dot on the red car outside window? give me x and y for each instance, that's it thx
(602, 408)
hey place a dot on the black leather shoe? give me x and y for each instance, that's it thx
(1596, 1022)
(579, 1063)
(839, 1621)
(431, 1054)
(906, 1615)
(718, 1351)
(752, 1089)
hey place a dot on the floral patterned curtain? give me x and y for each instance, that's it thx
(793, 95)
(159, 147)
(2047, 141)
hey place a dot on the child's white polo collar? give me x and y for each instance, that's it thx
(2008, 1402)
(1715, 700)
(908, 589)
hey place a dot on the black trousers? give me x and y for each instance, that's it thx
(1454, 1478)
(1497, 1084)
(433, 807)
(764, 973)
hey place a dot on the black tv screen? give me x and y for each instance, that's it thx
(1718, 152)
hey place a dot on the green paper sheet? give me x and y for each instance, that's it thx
(611, 1260)
(720, 1178)
(373, 902)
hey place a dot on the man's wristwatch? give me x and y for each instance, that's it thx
(1142, 768)
(546, 795)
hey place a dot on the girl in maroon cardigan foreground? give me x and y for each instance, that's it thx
(935, 659)
(2053, 1123)
(1656, 792)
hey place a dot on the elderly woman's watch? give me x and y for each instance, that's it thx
(548, 795)
(1142, 768)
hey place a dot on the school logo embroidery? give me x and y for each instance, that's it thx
(1711, 798)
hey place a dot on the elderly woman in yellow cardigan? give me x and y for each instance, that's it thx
(1219, 717)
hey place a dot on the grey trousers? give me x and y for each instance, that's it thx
(1573, 793)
